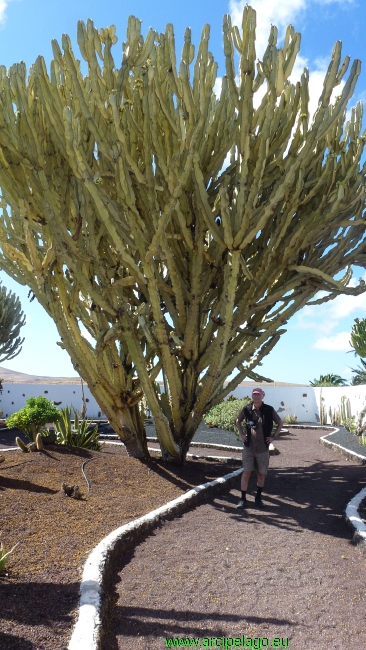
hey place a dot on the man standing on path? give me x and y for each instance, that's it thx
(259, 418)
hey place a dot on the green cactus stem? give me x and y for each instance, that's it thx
(39, 442)
(21, 445)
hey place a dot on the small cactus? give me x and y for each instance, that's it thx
(71, 491)
(323, 414)
(21, 445)
(67, 489)
(346, 409)
(39, 442)
(335, 416)
(76, 493)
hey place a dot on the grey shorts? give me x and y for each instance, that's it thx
(252, 461)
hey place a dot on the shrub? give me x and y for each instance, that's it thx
(290, 418)
(79, 434)
(224, 415)
(34, 416)
(350, 424)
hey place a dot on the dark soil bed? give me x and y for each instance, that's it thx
(39, 595)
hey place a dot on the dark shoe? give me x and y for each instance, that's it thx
(242, 504)
(259, 504)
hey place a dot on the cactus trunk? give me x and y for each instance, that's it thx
(128, 424)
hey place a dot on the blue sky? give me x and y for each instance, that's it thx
(317, 338)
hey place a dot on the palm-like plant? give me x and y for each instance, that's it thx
(358, 336)
(359, 374)
(329, 380)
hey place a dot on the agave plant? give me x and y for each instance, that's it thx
(290, 418)
(77, 433)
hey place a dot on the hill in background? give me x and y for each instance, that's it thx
(13, 377)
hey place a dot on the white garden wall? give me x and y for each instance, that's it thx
(286, 400)
(302, 401)
(14, 395)
(332, 397)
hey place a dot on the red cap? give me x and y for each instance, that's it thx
(258, 390)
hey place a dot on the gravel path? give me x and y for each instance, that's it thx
(288, 572)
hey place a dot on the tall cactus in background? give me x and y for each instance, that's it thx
(144, 246)
(358, 336)
(358, 342)
(11, 320)
(346, 412)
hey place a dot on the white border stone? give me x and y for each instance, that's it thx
(351, 512)
(344, 450)
(353, 516)
(86, 634)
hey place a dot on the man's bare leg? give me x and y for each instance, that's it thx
(244, 486)
(245, 480)
(260, 479)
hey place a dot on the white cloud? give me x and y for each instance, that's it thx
(347, 373)
(339, 342)
(280, 14)
(283, 14)
(328, 316)
(217, 86)
(3, 8)
(343, 306)
(325, 318)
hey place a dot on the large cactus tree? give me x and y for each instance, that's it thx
(180, 230)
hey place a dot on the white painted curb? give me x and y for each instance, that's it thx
(210, 445)
(207, 445)
(343, 450)
(353, 516)
(86, 634)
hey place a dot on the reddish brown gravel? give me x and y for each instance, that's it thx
(288, 572)
(40, 594)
